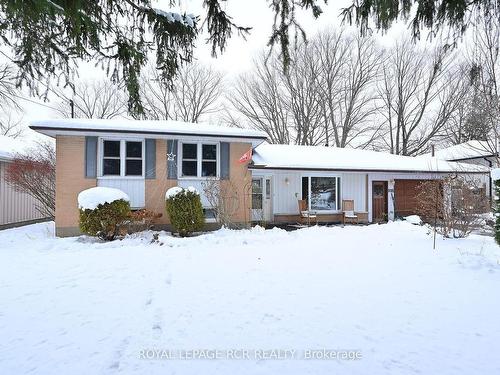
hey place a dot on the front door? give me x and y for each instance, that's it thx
(379, 201)
(261, 199)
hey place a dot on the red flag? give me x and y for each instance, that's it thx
(247, 156)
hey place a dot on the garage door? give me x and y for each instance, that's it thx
(405, 193)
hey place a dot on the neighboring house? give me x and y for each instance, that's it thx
(16, 208)
(472, 152)
(145, 158)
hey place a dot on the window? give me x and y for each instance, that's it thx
(189, 159)
(199, 160)
(209, 161)
(133, 159)
(324, 193)
(210, 214)
(111, 158)
(321, 193)
(257, 194)
(122, 158)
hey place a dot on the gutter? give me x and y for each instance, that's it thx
(253, 166)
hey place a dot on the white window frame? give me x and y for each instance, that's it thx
(199, 160)
(337, 193)
(123, 157)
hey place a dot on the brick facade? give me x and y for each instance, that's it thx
(70, 181)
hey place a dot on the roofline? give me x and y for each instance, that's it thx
(357, 170)
(121, 131)
(473, 157)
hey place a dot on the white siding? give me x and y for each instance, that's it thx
(135, 188)
(287, 189)
(354, 187)
(15, 207)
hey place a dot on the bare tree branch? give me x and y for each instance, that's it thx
(95, 99)
(197, 92)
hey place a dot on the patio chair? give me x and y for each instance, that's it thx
(305, 214)
(348, 215)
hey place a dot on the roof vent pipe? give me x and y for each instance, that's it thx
(432, 150)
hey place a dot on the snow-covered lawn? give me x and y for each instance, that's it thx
(73, 306)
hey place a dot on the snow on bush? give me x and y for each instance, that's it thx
(103, 211)
(495, 174)
(184, 210)
(413, 219)
(173, 191)
(91, 198)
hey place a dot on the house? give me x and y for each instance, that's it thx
(16, 208)
(483, 153)
(383, 186)
(146, 158)
(473, 152)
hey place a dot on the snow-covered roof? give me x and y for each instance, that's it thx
(10, 146)
(53, 127)
(466, 150)
(332, 158)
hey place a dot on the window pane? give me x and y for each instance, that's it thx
(208, 168)
(111, 167)
(189, 151)
(209, 152)
(305, 188)
(189, 168)
(257, 194)
(268, 188)
(257, 201)
(134, 149)
(209, 213)
(323, 193)
(257, 186)
(112, 148)
(133, 167)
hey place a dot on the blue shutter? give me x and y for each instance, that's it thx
(150, 158)
(90, 157)
(172, 164)
(224, 161)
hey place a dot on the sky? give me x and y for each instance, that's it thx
(240, 53)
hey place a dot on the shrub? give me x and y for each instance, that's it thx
(34, 172)
(141, 220)
(105, 220)
(223, 197)
(185, 210)
(454, 202)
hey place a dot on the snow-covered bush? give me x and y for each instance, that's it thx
(495, 176)
(103, 211)
(184, 210)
